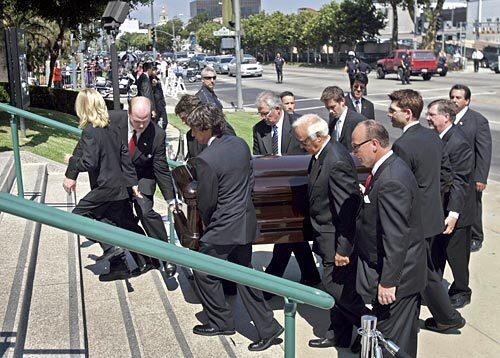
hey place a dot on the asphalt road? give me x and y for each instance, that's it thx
(307, 85)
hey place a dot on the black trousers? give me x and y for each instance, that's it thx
(476, 65)
(435, 294)
(209, 290)
(279, 74)
(303, 255)
(150, 219)
(340, 282)
(405, 76)
(454, 248)
(477, 226)
(398, 322)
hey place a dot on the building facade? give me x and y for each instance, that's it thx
(214, 7)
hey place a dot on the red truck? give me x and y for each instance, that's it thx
(423, 63)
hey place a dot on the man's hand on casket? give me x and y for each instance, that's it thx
(341, 260)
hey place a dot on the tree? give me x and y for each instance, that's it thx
(431, 13)
(327, 27)
(132, 40)
(165, 33)
(206, 38)
(394, 6)
(195, 23)
(253, 27)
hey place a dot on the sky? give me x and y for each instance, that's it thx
(177, 7)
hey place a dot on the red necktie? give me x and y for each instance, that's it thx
(368, 181)
(131, 145)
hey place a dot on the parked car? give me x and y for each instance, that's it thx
(494, 66)
(182, 59)
(222, 62)
(210, 61)
(249, 67)
(423, 63)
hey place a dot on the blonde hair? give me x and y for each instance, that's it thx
(91, 108)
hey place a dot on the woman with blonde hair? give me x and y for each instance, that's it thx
(101, 152)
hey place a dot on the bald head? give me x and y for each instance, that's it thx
(139, 113)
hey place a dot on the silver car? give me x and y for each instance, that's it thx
(222, 62)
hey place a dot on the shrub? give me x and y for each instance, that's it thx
(4, 92)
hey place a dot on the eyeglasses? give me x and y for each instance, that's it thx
(265, 115)
(210, 77)
(355, 147)
(303, 141)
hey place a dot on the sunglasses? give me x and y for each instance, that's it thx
(210, 77)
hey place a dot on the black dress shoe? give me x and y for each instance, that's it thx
(207, 330)
(265, 343)
(117, 271)
(322, 343)
(108, 254)
(460, 301)
(432, 325)
(475, 245)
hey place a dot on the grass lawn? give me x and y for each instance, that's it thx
(45, 141)
(242, 123)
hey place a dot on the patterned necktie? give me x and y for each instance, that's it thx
(131, 144)
(368, 182)
(275, 139)
(358, 106)
(336, 132)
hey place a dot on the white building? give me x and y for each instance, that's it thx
(131, 26)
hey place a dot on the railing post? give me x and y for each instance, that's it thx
(290, 310)
(171, 227)
(17, 156)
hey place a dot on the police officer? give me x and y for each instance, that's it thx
(406, 66)
(279, 62)
(351, 67)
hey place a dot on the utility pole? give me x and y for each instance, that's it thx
(237, 27)
(153, 36)
(415, 9)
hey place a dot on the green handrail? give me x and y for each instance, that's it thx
(293, 292)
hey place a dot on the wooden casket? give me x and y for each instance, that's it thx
(280, 199)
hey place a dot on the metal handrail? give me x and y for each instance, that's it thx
(293, 292)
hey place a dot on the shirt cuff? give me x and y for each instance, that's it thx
(453, 214)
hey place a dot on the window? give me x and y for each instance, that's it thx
(424, 56)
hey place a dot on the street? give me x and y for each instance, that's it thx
(308, 83)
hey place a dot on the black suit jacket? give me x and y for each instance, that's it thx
(145, 89)
(477, 130)
(389, 236)
(334, 201)
(195, 148)
(205, 95)
(422, 150)
(351, 121)
(149, 159)
(367, 108)
(224, 196)
(102, 154)
(263, 140)
(461, 198)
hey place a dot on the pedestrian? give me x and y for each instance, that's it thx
(160, 103)
(355, 99)
(391, 270)
(477, 130)
(342, 119)
(145, 88)
(351, 66)
(224, 196)
(206, 93)
(278, 63)
(459, 204)
(456, 60)
(334, 203)
(405, 68)
(477, 57)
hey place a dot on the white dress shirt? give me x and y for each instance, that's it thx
(210, 140)
(379, 162)
(359, 106)
(340, 124)
(460, 114)
(409, 125)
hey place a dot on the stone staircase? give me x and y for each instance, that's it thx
(52, 302)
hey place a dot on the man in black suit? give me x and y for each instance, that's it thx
(389, 240)
(147, 149)
(477, 130)
(274, 135)
(342, 119)
(334, 202)
(422, 150)
(355, 99)
(224, 197)
(145, 87)
(206, 93)
(187, 103)
(458, 203)
(288, 100)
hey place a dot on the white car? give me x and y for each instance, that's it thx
(249, 67)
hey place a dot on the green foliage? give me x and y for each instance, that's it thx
(206, 38)
(4, 92)
(132, 41)
(195, 23)
(358, 20)
(164, 34)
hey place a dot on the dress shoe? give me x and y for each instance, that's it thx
(356, 345)
(265, 343)
(475, 245)
(460, 300)
(108, 254)
(322, 343)
(431, 325)
(170, 269)
(207, 330)
(117, 271)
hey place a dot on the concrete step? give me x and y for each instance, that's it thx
(18, 252)
(7, 171)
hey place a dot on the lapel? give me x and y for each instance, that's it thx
(345, 125)
(316, 167)
(448, 134)
(286, 134)
(267, 138)
(145, 143)
(464, 118)
(364, 105)
(380, 170)
(124, 130)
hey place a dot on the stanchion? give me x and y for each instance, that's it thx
(290, 310)
(17, 155)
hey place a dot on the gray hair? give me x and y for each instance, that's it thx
(270, 99)
(315, 125)
(207, 71)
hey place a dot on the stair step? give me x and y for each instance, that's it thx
(7, 171)
(17, 248)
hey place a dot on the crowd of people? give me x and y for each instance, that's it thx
(383, 244)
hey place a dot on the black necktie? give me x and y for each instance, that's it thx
(275, 139)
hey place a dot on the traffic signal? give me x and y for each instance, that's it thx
(419, 26)
(439, 24)
(153, 34)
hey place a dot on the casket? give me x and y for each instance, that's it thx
(279, 197)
